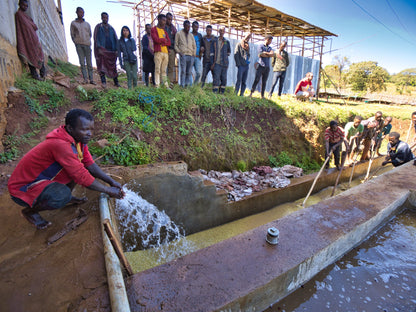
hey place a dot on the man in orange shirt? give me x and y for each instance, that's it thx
(161, 44)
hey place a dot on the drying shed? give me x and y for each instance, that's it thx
(240, 17)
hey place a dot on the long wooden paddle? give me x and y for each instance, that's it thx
(316, 178)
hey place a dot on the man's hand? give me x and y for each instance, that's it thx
(116, 184)
(115, 192)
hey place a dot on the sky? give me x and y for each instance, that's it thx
(368, 30)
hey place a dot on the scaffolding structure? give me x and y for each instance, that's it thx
(240, 17)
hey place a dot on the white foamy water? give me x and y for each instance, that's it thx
(143, 226)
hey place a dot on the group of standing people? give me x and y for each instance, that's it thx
(107, 49)
(208, 53)
(160, 44)
(365, 136)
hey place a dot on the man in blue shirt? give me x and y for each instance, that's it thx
(263, 65)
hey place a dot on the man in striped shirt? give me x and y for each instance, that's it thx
(334, 136)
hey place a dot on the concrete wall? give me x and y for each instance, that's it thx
(196, 206)
(51, 35)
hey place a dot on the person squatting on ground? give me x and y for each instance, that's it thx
(398, 152)
(199, 52)
(280, 63)
(304, 89)
(186, 47)
(147, 56)
(106, 50)
(28, 45)
(209, 54)
(161, 43)
(383, 133)
(372, 127)
(128, 59)
(263, 65)
(171, 31)
(334, 137)
(222, 52)
(353, 131)
(45, 176)
(81, 36)
(242, 61)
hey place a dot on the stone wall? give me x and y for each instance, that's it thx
(51, 35)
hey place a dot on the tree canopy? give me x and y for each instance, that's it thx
(367, 76)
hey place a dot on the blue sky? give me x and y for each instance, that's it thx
(388, 36)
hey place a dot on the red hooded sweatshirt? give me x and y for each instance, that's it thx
(54, 160)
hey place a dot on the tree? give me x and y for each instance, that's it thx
(405, 79)
(336, 71)
(367, 76)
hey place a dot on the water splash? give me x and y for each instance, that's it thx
(143, 226)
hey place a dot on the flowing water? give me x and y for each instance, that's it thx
(143, 226)
(141, 260)
(379, 275)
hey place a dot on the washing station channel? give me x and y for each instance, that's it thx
(244, 272)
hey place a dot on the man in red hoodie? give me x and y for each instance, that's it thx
(45, 176)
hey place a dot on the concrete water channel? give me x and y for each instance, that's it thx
(244, 272)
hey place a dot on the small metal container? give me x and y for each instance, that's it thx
(272, 236)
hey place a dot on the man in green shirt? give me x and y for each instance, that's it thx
(353, 132)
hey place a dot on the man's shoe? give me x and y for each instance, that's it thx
(93, 82)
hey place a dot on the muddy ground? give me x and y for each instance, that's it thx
(35, 276)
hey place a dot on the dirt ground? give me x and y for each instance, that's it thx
(68, 275)
(35, 276)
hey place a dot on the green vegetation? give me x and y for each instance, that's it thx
(66, 68)
(206, 130)
(42, 97)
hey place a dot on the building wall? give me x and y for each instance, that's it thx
(51, 35)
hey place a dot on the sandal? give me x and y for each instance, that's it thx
(35, 218)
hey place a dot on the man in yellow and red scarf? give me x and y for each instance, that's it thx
(45, 176)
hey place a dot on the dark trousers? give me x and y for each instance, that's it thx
(146, 78)
(103, 79)
(206, 68)
(278, 76)
(335, 153)
(263, 73)
(34, 72)
(241, 79)
(220, 78)
(53, 196)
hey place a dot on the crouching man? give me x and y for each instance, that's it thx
(398, 152)
(45, 176)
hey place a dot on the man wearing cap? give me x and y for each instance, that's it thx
(263, 65)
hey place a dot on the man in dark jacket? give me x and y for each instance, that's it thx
(106, 50)
(263, 65)
(209, 54)
(222, 52)
(398, 152)
(147, 55)
(171, 31)
(241, 57)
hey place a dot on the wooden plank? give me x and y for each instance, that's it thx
(117, 246)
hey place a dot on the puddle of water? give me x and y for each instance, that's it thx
(379, 275)
(145, 259)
